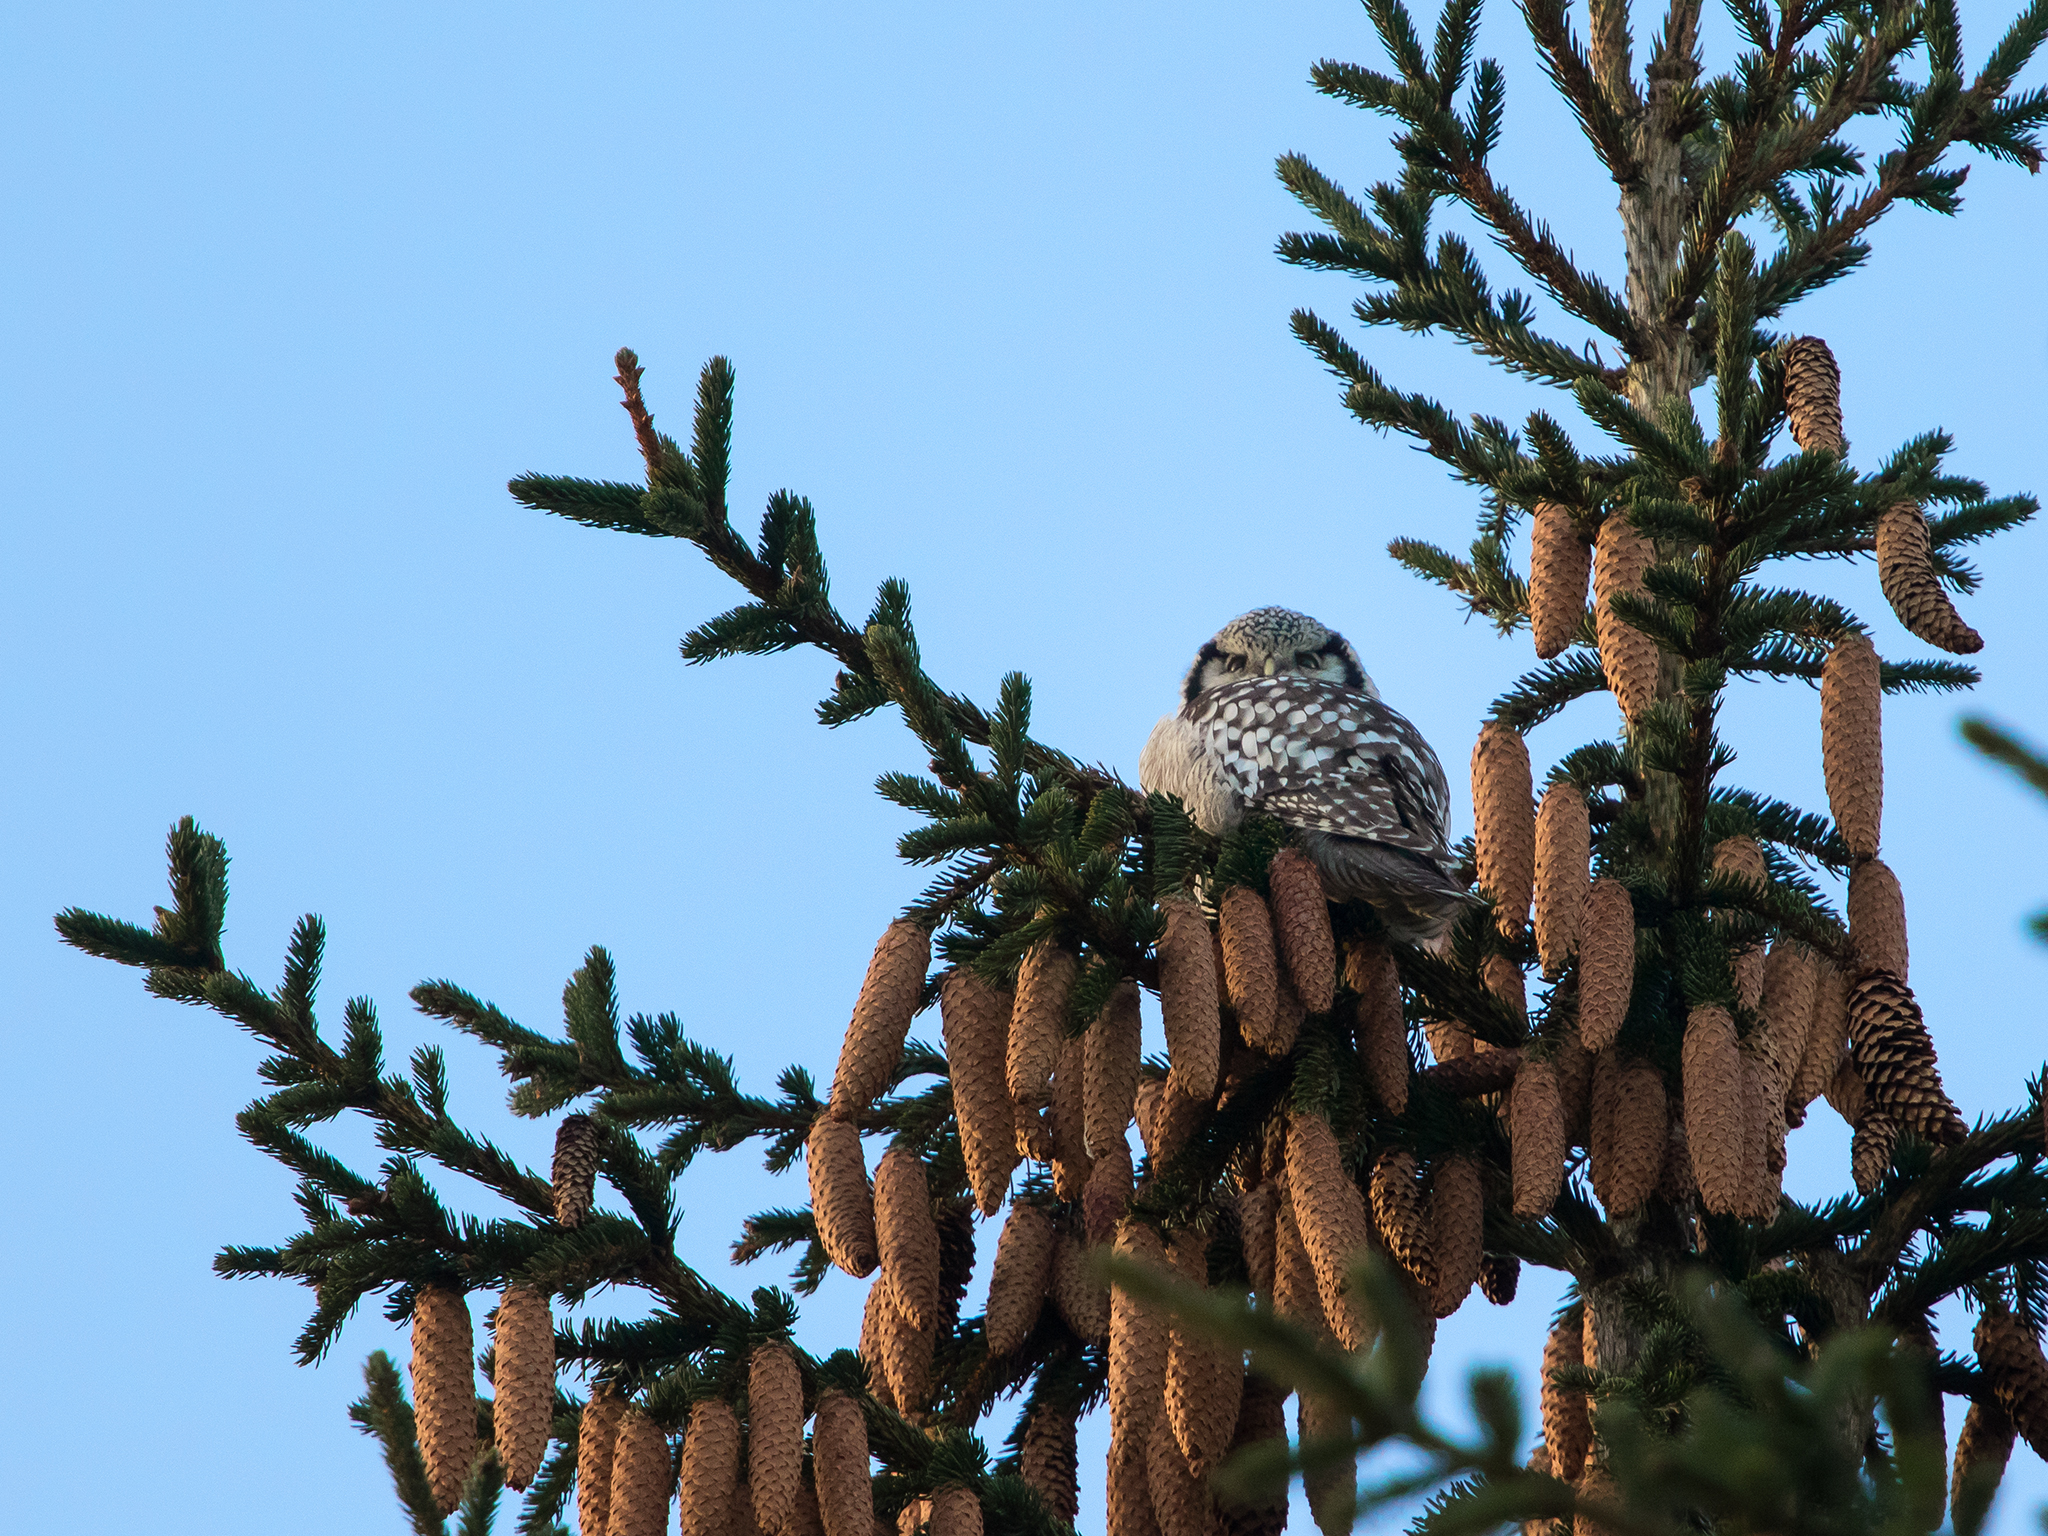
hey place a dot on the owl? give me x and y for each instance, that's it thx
(1278, 716)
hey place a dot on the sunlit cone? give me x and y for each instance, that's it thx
(914, 1517)
(881, 1017)
(840, 1199)
(1179, 1118)
(1846, 1094)
(1145, 1109)
(1369, 971)
(1759, 1185)
(444, 1389)
(1016, 1286)
(1813, 396)
(740, 1519)
(1137, 1340)
(1033, 1135)
(1559, 563)
(1331, 1489)
(1503, 978)
(1457, 1231)
(839, 1463)
(955, 1512)
(1262, 1418)
(1257, 1211)
(907, 1237)
(1082, 1299)
(1716, 1128)
(1297, 1295)
(1048, 1460)
(1567, 1432)
(1905, 570)
(1126, 1489)
(642, 1478)
(1448, 1039)
(1251, 974)
(1180, 1499)
(1982, 1450)
(709, 1475)
(1741, 858)
(2010, 1355)
(1537, 1143)
(523, 1418)
(1877, 918)
(1038, 1021)
(1628, 656)
(1504, 823)
(1109, 1074)
(596, 1434)
(1331, 1217)
(1564, 842)
(975, 1019)
(1108, 1194)
(579, 1146)
(1600, 1125)
(1636, 1153)
(1500, 1275)
(775, 1436)
(1402, 1219)
(1189, 999)
(1597, 1483)
(1538, 1462)
(1851, 742)
(1572, 1064)
(1894, 1056)
(1827, 1037)
(1288, 1013)
(877, 1319)
(1069, 1144)
(1607, 962)
(1301, 924)
(903, 1350)
(1790, 974)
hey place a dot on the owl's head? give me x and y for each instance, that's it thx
(1275, 642)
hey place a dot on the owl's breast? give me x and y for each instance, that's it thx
(1178, 761)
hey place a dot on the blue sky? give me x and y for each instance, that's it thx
(296, 289)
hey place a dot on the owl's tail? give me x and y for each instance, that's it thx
(1417, 899)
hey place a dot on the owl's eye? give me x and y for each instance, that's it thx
(1308, 661)
(1233, 663)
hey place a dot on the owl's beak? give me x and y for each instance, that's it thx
(1270, 665)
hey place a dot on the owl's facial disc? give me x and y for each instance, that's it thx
(1276, 642)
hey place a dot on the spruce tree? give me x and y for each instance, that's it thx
(1596, 1075)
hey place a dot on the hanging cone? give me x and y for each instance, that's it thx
(1851, 742)
(914, 1517)
(1296, 1293)
(1081, 1299)
(807, 1521)
(1600, 1127)
(1330, 1216)
(1567, 1432)
(1846, 1095)
(1137, 1341)
(1537, 1142)
(1069, 1147)
(1457, 1231)
(1504, 823)
(1982, 1450)
(1627, 655)
(1301, 924)
(523, 1418)
(1500, 1274)
(1503, 978)
(839, 1463)
(1905, 570)
(1204, 1377)
(907, 1237)
(444, 1390)
(1871, 1148)
(1145, 1109)
(1257, 1210)
(1813, 396)
(881, 1018)
(1033, 1136)
(902, 1350)
(1572, 1064)
(1188, 999)
(1038, 1021)
(1179, 1118)
(1895, 1058)
(1288, 1013)
(840, 1200)
(955, 1512)
(1180, 1500)
(597, 1432)
(1827, 1037)
(1877, 918)
(1715, 1123)
(1109, 1073)
(1448, 1040)
(1108, 1195)
(741, 1520)
(1759, 1185)
(1048, 1461)
(1789, 977)
(1251, 975)
(975, 1018)
(642, 1478)
(775, 1437)
(1398, 1211)
(1640, 1132)
(1016, 1286)
(1676, 1183)
(1564, 842)
(1559, 563)
(579, 1145)
(1595, 1483)
(1369, 971)
(1331, 1488)
(1261, 1421)
(709, 1477)
(1607, 962)
(1741, 858)
(1127, 1494)
(2010, 1355)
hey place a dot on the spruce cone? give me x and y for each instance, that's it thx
(1109, 1080)
(1845, 1090)
(1871, 1148)
(1137, 1341)
(1016, 1286)
(2010, 1354)
(1288, 1013)
(1081, 1299)
(1262, 1418)
(1484, 1070)
(1790, 973)
(840, 1199)
(1573, 1065)
(523, 1418)
(1180, 1499)
(1627, 655)
(1596, 1483)
(1145, 1110)
(975, 1019)
(1537, 1142)
(1504, 823)
(1905, 570)
(1108, 1194)
(902, 1350)
(1760, 1188)
(1069, 1127)
(775, 1437)
(1301, 923)
(1382, 1025)
(1332, 1488)
(1826, 1037)
(839, 1463)
(1330, 1216)
(1188, 999)
(1895, 1058)
(1179, 1118)
(1640, 1131)
(1457, 1228)
(955, 1512)
(1851, 742)
(1877, 918)
(1677, 1183)
(1250, 974)
(444, 1390)
(740, 1520)
(579, 1145)
(597, 1432)
(914, 1517)
(908, 1238)
(1038, 1021)
(1559, 563)
(1564, 842)
(1567, 1432)
(1600, 1125)
(1503, 978)
(1607, 962)
(1813, 396)
(1448, 1040)
(1982, 1450)
(642, 1478)
(1048, 1461)
(709, 1479)
(1033, 1135)
(1740, 857)
(881, 1018)
(1204, 1387)
(1127, 1493)
(1715, 1123)
(1403, 1223)
(1296, 1293)
(1257, 1211)
(1500, 1275)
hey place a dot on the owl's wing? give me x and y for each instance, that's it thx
(1328, 758)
